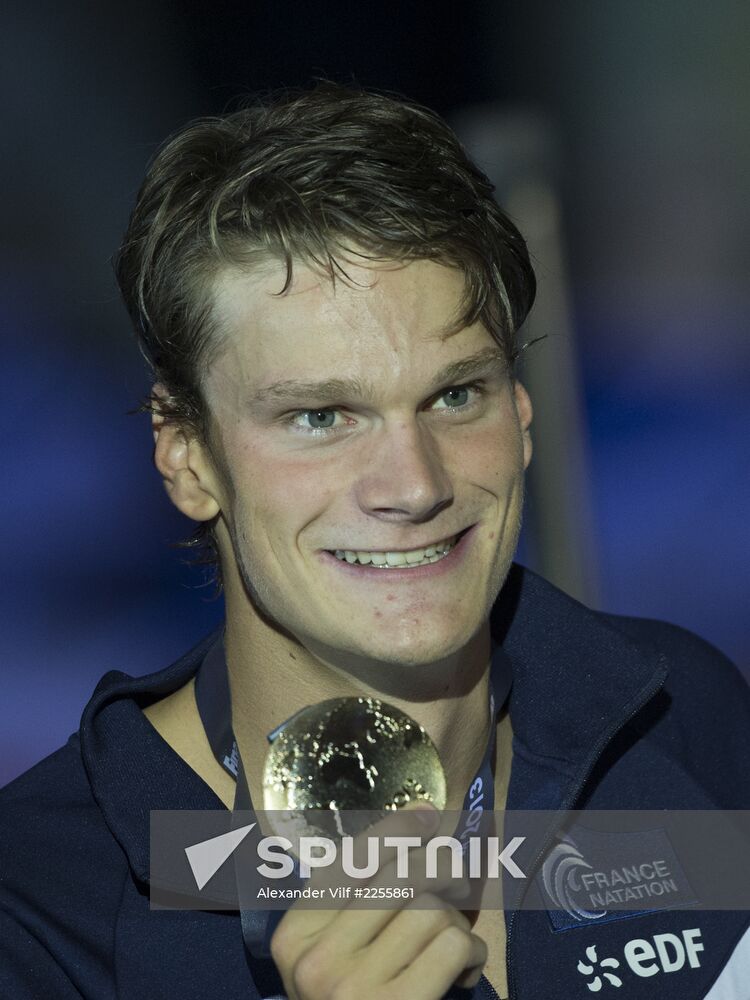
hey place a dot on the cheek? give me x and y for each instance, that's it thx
(276, 497)
(491, 459)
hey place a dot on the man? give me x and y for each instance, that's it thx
(328, 297)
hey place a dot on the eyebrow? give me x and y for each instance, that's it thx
(334, 390)
(478, 364)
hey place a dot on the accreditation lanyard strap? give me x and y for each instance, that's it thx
(214, 703)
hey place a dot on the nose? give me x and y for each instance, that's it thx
(404, 476)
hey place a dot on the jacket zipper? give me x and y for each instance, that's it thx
(567, 806)
(488, 990)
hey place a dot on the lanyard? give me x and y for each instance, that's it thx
(214, 703)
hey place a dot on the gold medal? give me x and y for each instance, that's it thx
(352, 754)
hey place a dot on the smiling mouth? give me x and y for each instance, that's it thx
(407, 559)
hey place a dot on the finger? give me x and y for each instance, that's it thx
(353, 927)
(296, 934)
(453, 955)
(324, 968)
(362, 919)
(402, 861)
(421, 870)
(408, 934)
(416, 822)
(354, 923)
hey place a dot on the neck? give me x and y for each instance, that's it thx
(272, 676)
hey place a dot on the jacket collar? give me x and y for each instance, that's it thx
(131, 769)
(576, 681)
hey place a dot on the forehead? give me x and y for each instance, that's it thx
(386, 317)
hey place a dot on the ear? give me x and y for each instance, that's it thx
(184, 464)
(525, 413)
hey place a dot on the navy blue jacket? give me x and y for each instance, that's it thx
(607, 713)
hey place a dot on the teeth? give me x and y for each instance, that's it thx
(394, 560)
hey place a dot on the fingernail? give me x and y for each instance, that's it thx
(426, 815)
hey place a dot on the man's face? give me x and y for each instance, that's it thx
(368, 462)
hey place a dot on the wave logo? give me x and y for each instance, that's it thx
(589, 970)
(560, 878)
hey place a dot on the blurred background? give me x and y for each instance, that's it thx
(619, 137)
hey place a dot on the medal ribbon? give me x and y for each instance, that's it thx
(214, 703)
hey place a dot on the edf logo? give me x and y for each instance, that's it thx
(662, 953)
(667, 953)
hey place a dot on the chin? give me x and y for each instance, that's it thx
(408, 649)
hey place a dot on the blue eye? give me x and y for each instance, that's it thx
(453, 399)
(318, 423)
(464, 399)
(320, 419)
(456, 397)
